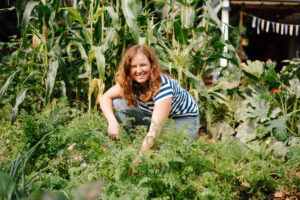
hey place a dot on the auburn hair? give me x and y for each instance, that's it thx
(130, 89)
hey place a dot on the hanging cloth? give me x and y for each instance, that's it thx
(296, 30)
(291, 29)
(258, 27)
(253, 22)
(277, 27)
(273, 27)
(267, 26)
(286, 29)
(262, 24)
(281, 29)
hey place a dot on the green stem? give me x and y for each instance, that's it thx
(102, 22)
(124, 42)
(294, 114)
(90, 63)
(45, 50)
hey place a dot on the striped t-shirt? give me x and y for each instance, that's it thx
(183, 104)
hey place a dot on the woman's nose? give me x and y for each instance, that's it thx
(139, 69)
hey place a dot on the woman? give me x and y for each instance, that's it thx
(147, 92)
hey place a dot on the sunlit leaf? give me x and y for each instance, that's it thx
(254, 68)
(187, 16)
(3, 10)
(100, 60)
(278, 127)
(26, 18)
(51, 79)
(112, 14)
(246, 130)
(7, 83)
(75, 15)
(19, 100)
(109, 37)
(131, 10)
(97, 14)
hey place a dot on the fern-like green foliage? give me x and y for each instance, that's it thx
(77, 150)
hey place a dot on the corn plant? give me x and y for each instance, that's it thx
(75, 51)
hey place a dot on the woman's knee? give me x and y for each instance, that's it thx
(120, 105)
(191, 125)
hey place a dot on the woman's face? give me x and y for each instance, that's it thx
(140, 69)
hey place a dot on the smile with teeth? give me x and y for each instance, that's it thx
(140, 75)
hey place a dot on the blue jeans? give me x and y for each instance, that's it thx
(124, 112)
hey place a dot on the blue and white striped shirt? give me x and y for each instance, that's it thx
(183, 104)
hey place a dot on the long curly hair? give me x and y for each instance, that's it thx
(130, 88)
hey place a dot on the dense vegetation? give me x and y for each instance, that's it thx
(63, 148)
(53, 139)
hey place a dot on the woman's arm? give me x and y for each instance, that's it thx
(107, 109)
(161, 112)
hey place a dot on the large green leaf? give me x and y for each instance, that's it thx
(212, 14)
(74, 14)
(19, 100)
(100, 60)
(246, 130)
(84, 57)
(7, 83)
(131, 10)
(259, 108)
(113, 15)
(278, 127)
(26, 18)
(109, 37)
(51, 79)
(279, 148)
(254, 68)
(222, 99)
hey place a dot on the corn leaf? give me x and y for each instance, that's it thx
(212, 14)
(106, 43)
(113, 15)
(97, 14)
(187, 16)
(100, 60)
(3, 10)
(84, 57)
(7, 83)
(77, 17)
(26, 18)
(51, 79)
(19, 100)
(131, 10)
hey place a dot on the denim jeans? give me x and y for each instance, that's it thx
(123, 114)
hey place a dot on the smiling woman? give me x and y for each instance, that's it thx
(140, 70)
(144, 90)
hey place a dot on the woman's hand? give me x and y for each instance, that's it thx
(137, 160)
(107, 109)
(114, 129)
(161, 112)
